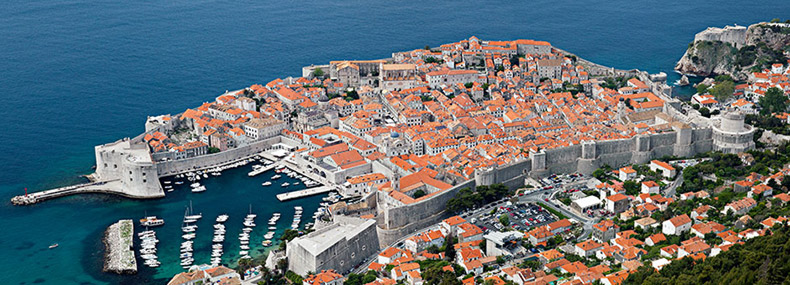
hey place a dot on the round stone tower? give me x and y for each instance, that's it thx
(732, 135)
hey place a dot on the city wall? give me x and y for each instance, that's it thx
(173, 167)
(396, 222)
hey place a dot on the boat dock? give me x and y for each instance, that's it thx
(262, 170)
(108, 187)
(304, 193)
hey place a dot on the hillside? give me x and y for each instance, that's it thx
(762, 260)
(736, 51)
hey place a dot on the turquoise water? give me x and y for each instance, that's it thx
(77, 73)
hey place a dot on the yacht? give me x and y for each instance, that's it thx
(199, 189)
(243, 252)
(272, 228)
(205, 175)
(188, 236)
(194, 185)
(276, 176)
(189, 229)
(151, 221)
(167, 182)
(268, 235)
(245, 247)
(267, 243)
(286, 184)
(222, 218)
(267, 183)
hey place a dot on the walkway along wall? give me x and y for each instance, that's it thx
(395, 222)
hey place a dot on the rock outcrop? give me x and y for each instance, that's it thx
(736, 50)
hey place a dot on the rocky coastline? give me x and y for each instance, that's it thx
(735, 50)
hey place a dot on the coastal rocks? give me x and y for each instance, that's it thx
(684, 80)
(118, 248)
(734, 50)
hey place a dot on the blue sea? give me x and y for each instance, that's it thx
(76, 73)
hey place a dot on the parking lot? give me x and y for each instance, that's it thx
(522, 216)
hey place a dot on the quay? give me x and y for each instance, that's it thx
(107, 187)
(304, 193)
(261, 170)
(119, 248)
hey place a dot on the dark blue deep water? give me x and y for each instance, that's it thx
(74, 74)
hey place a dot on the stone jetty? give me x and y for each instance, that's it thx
(119, 248)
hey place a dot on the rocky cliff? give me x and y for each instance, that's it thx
(737, 50)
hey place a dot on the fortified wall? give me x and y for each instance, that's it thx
(586, 157)
(131, 164)
(735, 35)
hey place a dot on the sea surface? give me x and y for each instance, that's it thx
(75, 73)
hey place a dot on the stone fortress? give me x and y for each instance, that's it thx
(126, 167)
(690, 136)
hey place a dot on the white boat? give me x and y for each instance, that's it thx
(194, 185)
(296, 183)
(244, 242)
(216, 246)
(205, 175)
(276, 176)
(267, 183)
(199, 189)
(249, 224)
(267, 243)
(244, 247)
(243, 252)
(189, 229)
(179, 182)
(189, 221)
(272, 228)
(218, 239)
(151, 221)
(298, 208)
(268, 235)
(286, 184)
(148, 256)
(222, 218)
(146, 233)
(189, 236)
(194, 217)
(246, 230)
(216, 173)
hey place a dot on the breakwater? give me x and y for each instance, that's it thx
(119, 248)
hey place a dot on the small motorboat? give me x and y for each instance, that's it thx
(54, 245)
(286, 184)
(267, 183)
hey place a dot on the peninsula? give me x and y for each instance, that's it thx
(534, 146)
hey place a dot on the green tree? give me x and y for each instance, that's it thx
(773, 101)
(723, 90)
(318, 72)
(702, 88)
(418, 194)
(504, 219)
(212, 149)
(705, 112)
